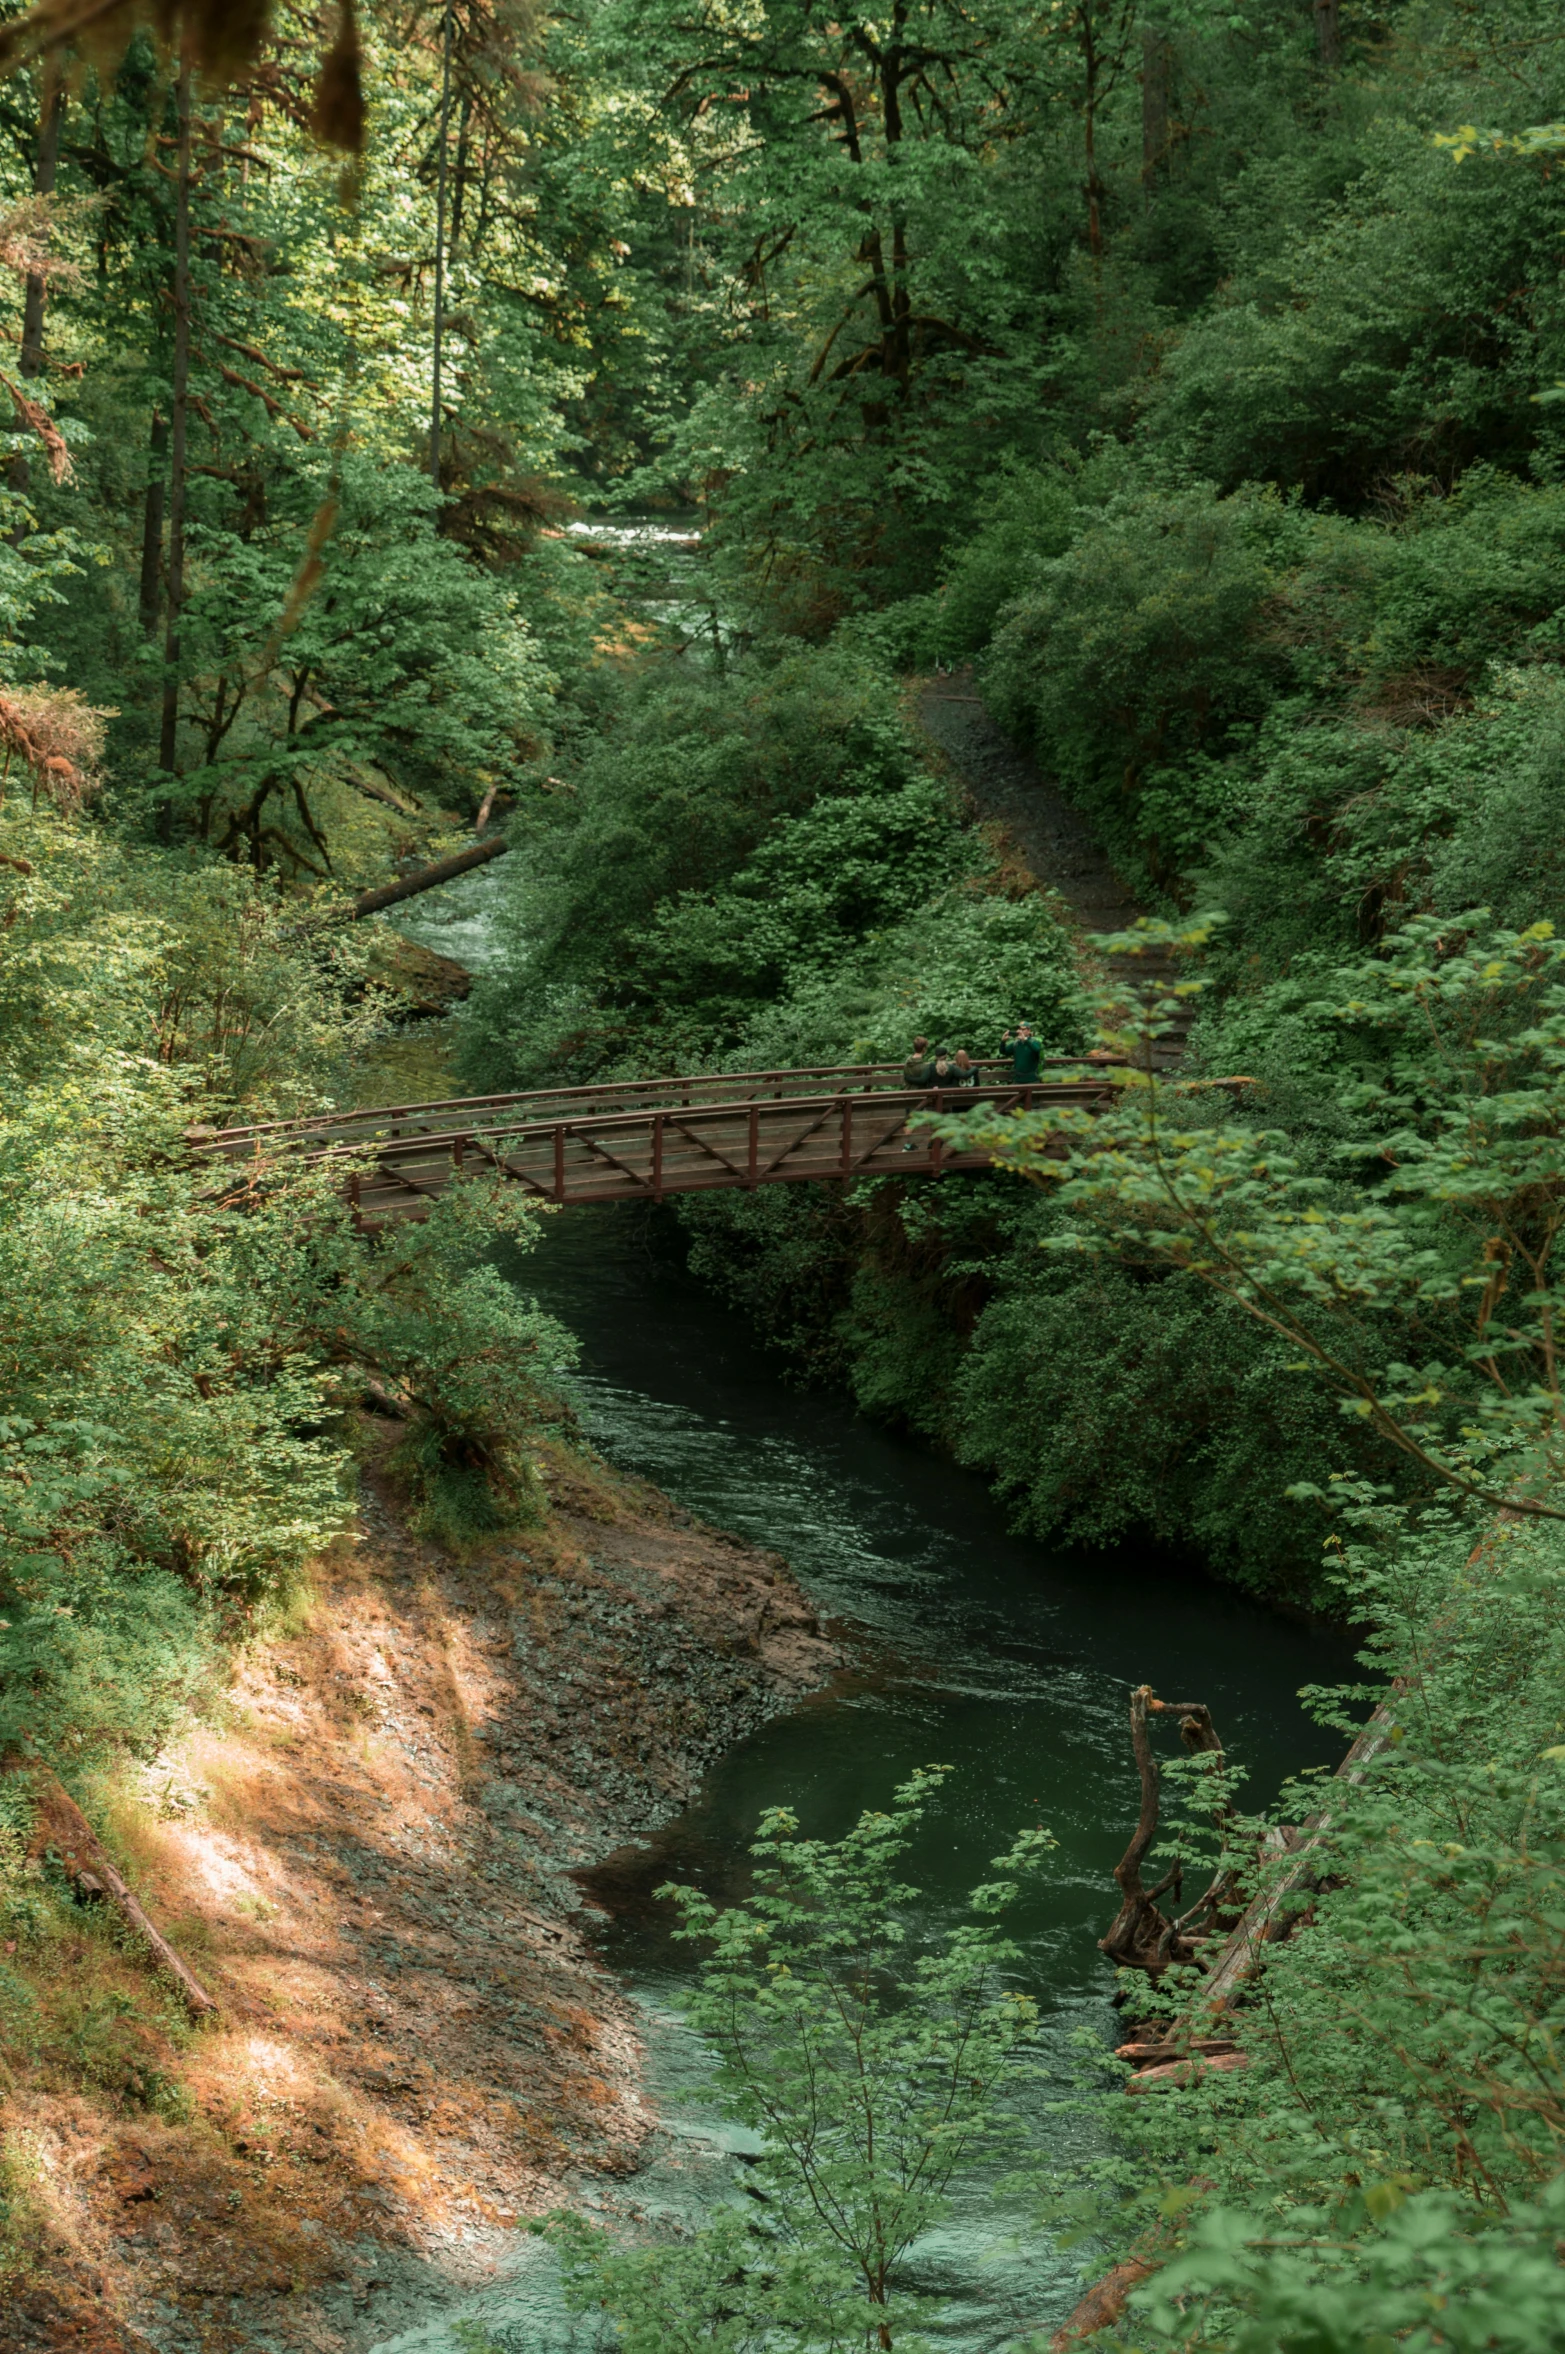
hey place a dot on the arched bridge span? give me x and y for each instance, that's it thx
(640, 1140)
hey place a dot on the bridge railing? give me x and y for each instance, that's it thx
(649, 1150)
(458, 1115)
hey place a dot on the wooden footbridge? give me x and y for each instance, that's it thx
(639, 1140)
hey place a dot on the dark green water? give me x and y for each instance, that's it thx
(1008, 1660)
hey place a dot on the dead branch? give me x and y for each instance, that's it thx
(34, 419)
(250, 351)
(1142, 1936)
(375, 786)
(27, 233)
(60, 738)
(60, 1824)
(273, 408)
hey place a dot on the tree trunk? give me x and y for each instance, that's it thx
(1093, 186)
(1328, 33)
(1141, 1936)
(460, 174)
(51, 116)
(428, 878)
(152, 526)
(169, 733)
(440, 249)
(1157, 68)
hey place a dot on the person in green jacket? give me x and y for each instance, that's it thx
(1025, 1051)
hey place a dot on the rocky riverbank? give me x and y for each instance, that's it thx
(367, 1852)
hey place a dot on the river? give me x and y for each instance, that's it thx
(1004, 1658)
(1007, 1659)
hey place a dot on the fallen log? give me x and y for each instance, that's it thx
(1240, 1957)
(60, 1824)
(1170, 2075)
(429, 878)
(1149, 2054)
(1104, 2303)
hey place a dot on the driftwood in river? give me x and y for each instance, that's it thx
(1142, 1936)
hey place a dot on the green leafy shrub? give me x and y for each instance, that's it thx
(1366, 329)
(1133, 658)
(1064, 1363)
(177, 1353)
(1403, 2096)
(873, 2059)
(672, 799)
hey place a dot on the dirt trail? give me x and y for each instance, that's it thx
(1052, 840)
(369, 1859)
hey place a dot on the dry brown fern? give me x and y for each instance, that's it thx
(58, 737)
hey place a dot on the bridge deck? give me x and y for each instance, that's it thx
(644, 1139)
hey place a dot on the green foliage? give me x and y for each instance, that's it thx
(1222, 1425)
(873, 2062)
(1423, 2272)
(1369, 328)
(411, 669)
(1402, 2098)
(176, 1357)
(960, 970)
(1175, 371)
(1137, 656)
(1446, 1245)
(807, 896)
(752, 870)
(853, 361)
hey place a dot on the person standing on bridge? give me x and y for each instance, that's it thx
(918, 1070)
(1025, 1051)
(964, 1071)
(944, 1072)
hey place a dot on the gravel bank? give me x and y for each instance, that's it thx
(371, 1860)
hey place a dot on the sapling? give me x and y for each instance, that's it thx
(873, 2057)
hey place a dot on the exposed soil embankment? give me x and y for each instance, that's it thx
(370, 1861)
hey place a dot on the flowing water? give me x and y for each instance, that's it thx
(1006, 1659)
(653, 566)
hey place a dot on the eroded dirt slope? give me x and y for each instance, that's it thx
(368, 1863)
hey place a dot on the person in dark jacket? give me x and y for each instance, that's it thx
(1025, 1051)
(964, 1071)
(944, 1071)
(918, 1070)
